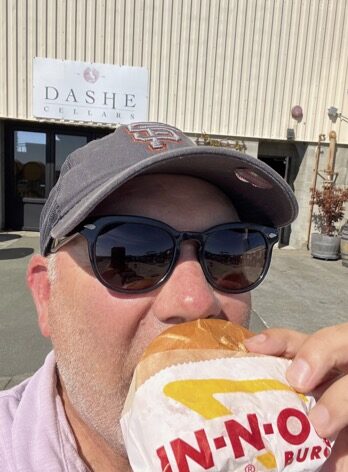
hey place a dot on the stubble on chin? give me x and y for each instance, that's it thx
(100, 412)
(96, 393)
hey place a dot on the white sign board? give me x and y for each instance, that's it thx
(82, 91)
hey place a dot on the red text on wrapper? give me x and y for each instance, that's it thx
(203, 453)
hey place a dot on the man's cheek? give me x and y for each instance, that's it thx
(237, 308)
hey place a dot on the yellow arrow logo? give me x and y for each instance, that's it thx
(198, 394)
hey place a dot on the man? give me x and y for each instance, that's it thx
(144, 230)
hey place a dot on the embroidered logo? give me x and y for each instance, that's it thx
(251, 177)
(155, 135)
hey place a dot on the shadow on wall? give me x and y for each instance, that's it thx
(286, 159)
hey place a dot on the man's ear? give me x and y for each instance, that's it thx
(39, 284)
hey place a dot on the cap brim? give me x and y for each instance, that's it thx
(259, 194)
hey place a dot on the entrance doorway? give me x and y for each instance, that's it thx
(34, 157)
(278, 163)
(281, 165)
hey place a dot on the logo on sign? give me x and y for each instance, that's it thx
(91, 75)
(156, 136)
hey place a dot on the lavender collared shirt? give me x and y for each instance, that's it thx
(34, 433)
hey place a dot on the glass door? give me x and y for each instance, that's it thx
(34, 157)
(25, 177)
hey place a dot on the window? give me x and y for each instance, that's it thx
(30, 163)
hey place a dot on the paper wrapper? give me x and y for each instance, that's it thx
(219, 411)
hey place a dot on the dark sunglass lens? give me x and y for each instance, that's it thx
(133, 256)
(235, 258)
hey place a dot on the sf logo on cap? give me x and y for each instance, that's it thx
(153, 134)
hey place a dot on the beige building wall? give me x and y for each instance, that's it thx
(228, 67)
(231, 68)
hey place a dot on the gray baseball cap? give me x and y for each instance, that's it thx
(92, 172)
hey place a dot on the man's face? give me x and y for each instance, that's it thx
(99, 335)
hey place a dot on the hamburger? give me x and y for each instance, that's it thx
(199, 401)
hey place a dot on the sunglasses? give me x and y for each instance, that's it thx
(132, 254)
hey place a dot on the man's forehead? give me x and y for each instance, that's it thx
(171, 198)
(159, 188)
(161, 182)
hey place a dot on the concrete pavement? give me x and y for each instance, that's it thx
(302, 293)
(299, 293)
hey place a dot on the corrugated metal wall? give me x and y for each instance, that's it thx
(229, 67)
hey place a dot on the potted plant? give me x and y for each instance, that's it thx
(330, 210)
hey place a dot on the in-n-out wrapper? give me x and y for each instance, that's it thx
(220, 414)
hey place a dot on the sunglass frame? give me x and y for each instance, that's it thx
(91, 228)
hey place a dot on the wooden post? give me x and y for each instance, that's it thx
(330, 169)
(314, 185)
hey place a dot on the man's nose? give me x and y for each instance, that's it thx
(186, 295)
